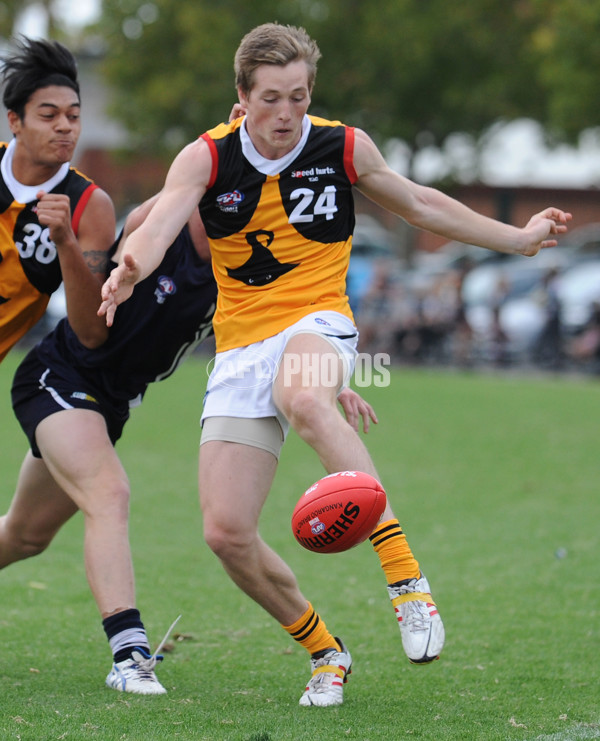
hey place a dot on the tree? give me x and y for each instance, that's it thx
(171, 64)
(418, 70)
(11, 10)
(567, 51)
(423, 69)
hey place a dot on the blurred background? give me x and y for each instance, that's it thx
(493, 102)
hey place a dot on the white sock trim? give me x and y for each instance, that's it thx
(129, 639)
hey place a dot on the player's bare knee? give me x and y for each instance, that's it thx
(19, 544)
(109, 500)
(34, 546)
(305, 412)
(227, 543)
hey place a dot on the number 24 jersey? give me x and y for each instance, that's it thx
(280, 230)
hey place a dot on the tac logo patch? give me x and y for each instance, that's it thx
(165, 287)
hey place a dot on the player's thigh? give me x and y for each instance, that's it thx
(39, 506)
(309, 362)
(80, 456)
(234, 482)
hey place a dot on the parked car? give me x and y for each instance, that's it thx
(578, 291)
(455, 256)
(583, 242)
(510, 292)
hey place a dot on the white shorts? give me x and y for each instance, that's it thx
(241, 381)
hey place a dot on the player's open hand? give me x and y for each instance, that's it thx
(355, 408)
(541, 227)
(118, 287)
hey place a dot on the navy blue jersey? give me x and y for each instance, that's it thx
(169, 313)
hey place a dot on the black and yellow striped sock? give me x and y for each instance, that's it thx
(311, 632)
(397, 560)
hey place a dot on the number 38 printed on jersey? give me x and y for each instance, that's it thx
(37, 244)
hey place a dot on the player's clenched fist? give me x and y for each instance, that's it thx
(54, 211)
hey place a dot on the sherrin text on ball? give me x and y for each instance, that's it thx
(338, 512)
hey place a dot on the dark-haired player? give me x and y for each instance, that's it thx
(73, 401)
(54, 222)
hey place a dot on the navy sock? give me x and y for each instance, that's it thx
(125, 631)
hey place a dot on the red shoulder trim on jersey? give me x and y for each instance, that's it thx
(349, 155)
(215, 159)
(83, 201)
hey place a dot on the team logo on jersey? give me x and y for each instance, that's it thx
(262, 267)
(228, 202)
(165, 287)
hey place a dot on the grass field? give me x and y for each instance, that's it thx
(496, 482)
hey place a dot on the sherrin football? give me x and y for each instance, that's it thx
(338, 512)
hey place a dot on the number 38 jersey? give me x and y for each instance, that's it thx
(29, 265)
(280, 230)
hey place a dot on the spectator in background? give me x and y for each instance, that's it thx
(585, 347)
(548, 348)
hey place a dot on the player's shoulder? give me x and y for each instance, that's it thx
(101, 199)
(223, 130)
(365, 149)
(320, 122)
(94, 216)
(76, 175)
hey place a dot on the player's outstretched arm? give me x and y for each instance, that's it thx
(434, 211)
(144, 249)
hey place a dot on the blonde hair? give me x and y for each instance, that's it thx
(275, 44)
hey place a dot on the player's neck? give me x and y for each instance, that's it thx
(28, 172)
(34, 174)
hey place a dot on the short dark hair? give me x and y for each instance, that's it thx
(36, 64)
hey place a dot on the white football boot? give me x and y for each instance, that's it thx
(329, 673)
(136, 674)
(421, 626)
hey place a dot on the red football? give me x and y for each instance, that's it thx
(338, 512)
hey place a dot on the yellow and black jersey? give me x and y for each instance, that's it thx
(29, 265)
(280, 230)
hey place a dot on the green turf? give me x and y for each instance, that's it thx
(495, 480)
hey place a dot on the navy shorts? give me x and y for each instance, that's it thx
(39, 391)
